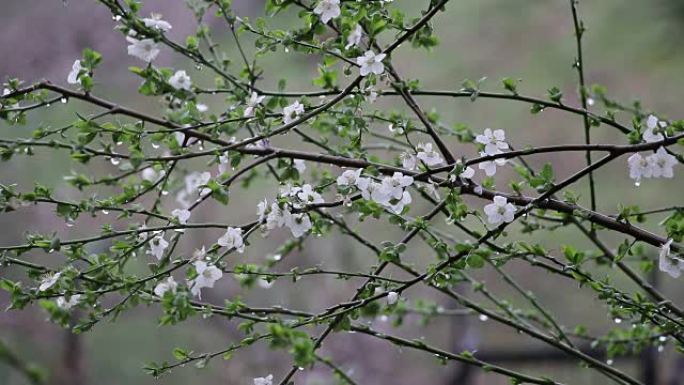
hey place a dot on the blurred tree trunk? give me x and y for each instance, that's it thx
(70, 370)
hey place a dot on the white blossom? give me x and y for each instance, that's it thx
(372, 96)
(48, 281)
(76, 68)
(408, 160)
(668, 264)
(327, 10)
(155, 21)
(199, 254)
(262, 207)
(469, 172)
(639, 167)
(661, 163)
(392, 297)
(354, 37)
(363, 183)
(276, 217)
(259, 144)
(149, 174)
(494, 141)
(182, 215)
(288, 190)
(264, 283)
(268, 380)
(499, 211)
(145, 49)
(180, 81)
(292, 112)
(375, 192)
(389, 192)
(224, 163)
(299, 165)
(157, 246)
(490, 166)
(371, 62)
(65, 304)
(180, 137)
(431, 189)
(298, 224)
(202, 107)
(400, 180)
(429, 156)
(396, 129)
(398, 207)
(307, 195)
(195, 181)
(252, 103)
(349, 177)
(5, 92)
(168, 285)
(207, 275)
(193, 184)
(232, 239)
(649, 135)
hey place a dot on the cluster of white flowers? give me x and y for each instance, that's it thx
(180, 81)
(494, 143)
(668, 263)
(499, 211)
(193, 184)
(207, 275)
(232, 239)
(656, 165)
(292, 112)
(389, 192)
(328, 10)
(371, 63)
(298, 198)
(252, 103)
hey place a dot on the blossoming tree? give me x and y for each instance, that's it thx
(324, 189)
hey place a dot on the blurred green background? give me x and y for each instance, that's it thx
(633, 48)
